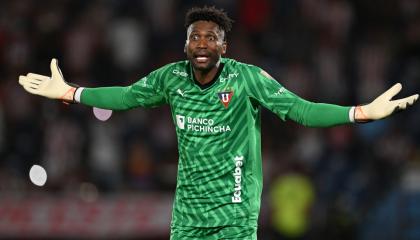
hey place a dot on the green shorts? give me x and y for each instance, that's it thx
(214, 233)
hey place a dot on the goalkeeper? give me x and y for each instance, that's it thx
(215, 104)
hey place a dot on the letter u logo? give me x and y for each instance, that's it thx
(225, 97)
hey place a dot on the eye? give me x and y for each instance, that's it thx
(194, 37)
(211, 38)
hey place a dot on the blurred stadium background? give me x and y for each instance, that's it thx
(116, 179)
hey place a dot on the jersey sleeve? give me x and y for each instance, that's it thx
(287, 105)
(312, 114)
(269, 93)
(146, 92)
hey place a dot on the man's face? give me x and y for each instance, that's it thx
(204, 45)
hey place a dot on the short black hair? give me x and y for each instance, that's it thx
(206, 13)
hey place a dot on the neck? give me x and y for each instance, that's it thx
(205, 76)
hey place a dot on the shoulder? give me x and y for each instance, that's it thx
(169, 73)
(251, 72)
(173, 67)
(240, 66)
(235, 63)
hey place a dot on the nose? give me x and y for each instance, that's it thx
(202, 43)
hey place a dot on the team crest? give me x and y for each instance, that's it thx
(225, 97)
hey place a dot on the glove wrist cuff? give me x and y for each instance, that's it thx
(68, 96)
(359, 116)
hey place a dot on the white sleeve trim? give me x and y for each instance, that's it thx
(77, 94)
(351, 114)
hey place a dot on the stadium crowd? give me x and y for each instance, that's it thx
(334, 51)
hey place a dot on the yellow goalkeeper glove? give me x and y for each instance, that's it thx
(383, 106)
(54, 87)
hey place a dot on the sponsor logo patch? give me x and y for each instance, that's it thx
(237, 174)
(194, 124)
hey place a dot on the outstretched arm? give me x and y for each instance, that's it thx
(326, 115)
(287, 105)
(55, 87)
(144, 93)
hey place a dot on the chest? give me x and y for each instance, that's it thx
(218, 98)
(211, 111)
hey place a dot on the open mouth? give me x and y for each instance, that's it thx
(202, 59)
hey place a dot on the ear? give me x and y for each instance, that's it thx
(224, 47)
(185, 46)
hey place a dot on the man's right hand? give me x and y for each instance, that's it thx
(54, 87)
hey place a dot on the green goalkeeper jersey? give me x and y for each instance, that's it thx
(218, 129)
